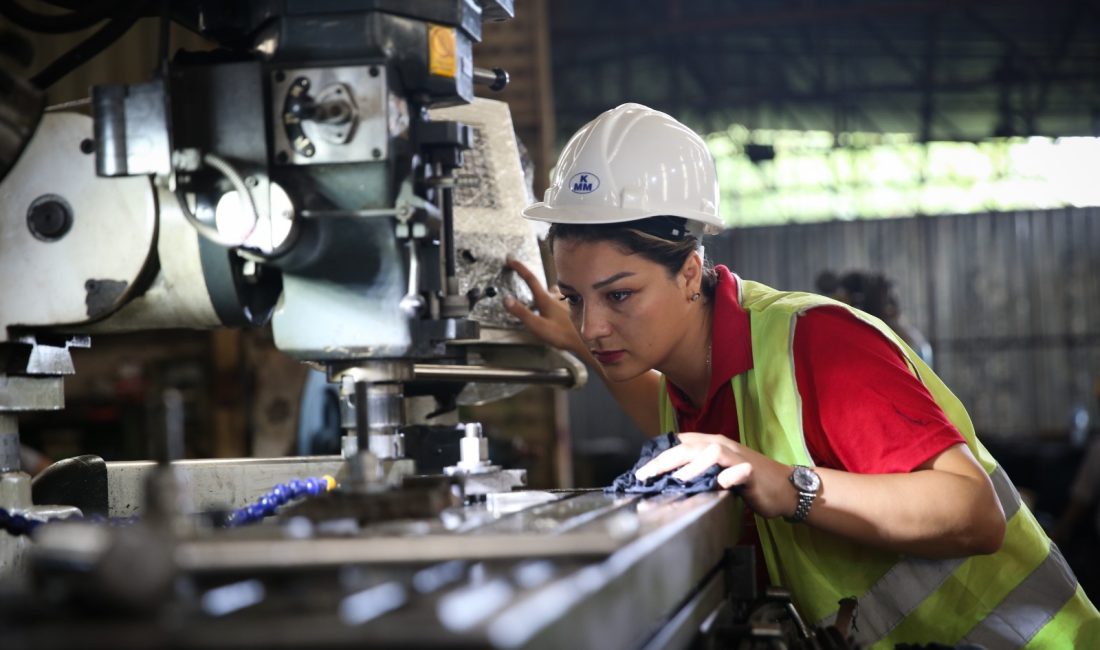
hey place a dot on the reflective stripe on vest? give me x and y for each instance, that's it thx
(912, 579)
(1020, 616)
(1023, 595)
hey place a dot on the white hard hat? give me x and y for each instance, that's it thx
(630, 163)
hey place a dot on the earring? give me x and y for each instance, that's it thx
(695, 296)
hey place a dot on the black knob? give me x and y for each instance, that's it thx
(495, 79)
(49, 217)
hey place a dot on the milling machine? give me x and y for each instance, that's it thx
(327, 169)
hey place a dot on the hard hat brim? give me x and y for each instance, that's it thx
(601, 215)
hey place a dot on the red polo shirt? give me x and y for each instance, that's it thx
(863, 411)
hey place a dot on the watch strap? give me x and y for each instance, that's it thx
(805, 497)
(802, 510)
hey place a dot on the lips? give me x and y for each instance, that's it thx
(608, 357)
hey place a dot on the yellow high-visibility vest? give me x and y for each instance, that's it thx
(1022, 596)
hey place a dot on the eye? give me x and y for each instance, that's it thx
(619, 296)
(571, 298)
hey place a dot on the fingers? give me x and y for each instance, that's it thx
(701, 463)
(738, 474)
(530, 319)
(696, 453)
(534, 282)
(666, 462)
(544, 298)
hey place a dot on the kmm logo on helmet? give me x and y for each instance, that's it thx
(584, 183)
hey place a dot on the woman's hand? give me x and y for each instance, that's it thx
(764, 482)
(946, 507)
(551, 323)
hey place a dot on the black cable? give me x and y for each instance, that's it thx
(57, 23)
(90, 47)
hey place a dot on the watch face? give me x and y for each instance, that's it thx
(805, 479)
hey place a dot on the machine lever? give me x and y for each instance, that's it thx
(412, 303)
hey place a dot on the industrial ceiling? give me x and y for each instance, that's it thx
(939, 70)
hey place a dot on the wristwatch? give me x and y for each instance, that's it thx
(808, 484)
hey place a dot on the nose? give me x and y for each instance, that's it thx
(594, 324)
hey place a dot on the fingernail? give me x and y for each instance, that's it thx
(641, 476)
(509, 258)
(509, 301)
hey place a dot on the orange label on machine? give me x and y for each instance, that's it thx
(442, 51)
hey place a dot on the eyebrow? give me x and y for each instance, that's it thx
(602, 283)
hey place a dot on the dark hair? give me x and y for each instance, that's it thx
(669, 249)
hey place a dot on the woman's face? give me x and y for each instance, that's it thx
(627, 309)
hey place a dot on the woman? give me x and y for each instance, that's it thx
(860, 466)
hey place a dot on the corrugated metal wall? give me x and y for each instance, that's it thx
(1009, 301)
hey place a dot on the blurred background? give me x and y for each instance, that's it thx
(935, 161)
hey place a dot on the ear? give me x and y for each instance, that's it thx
(691, 273)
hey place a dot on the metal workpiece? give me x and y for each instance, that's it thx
(493, 480)
(473, 449)
(479, 475)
